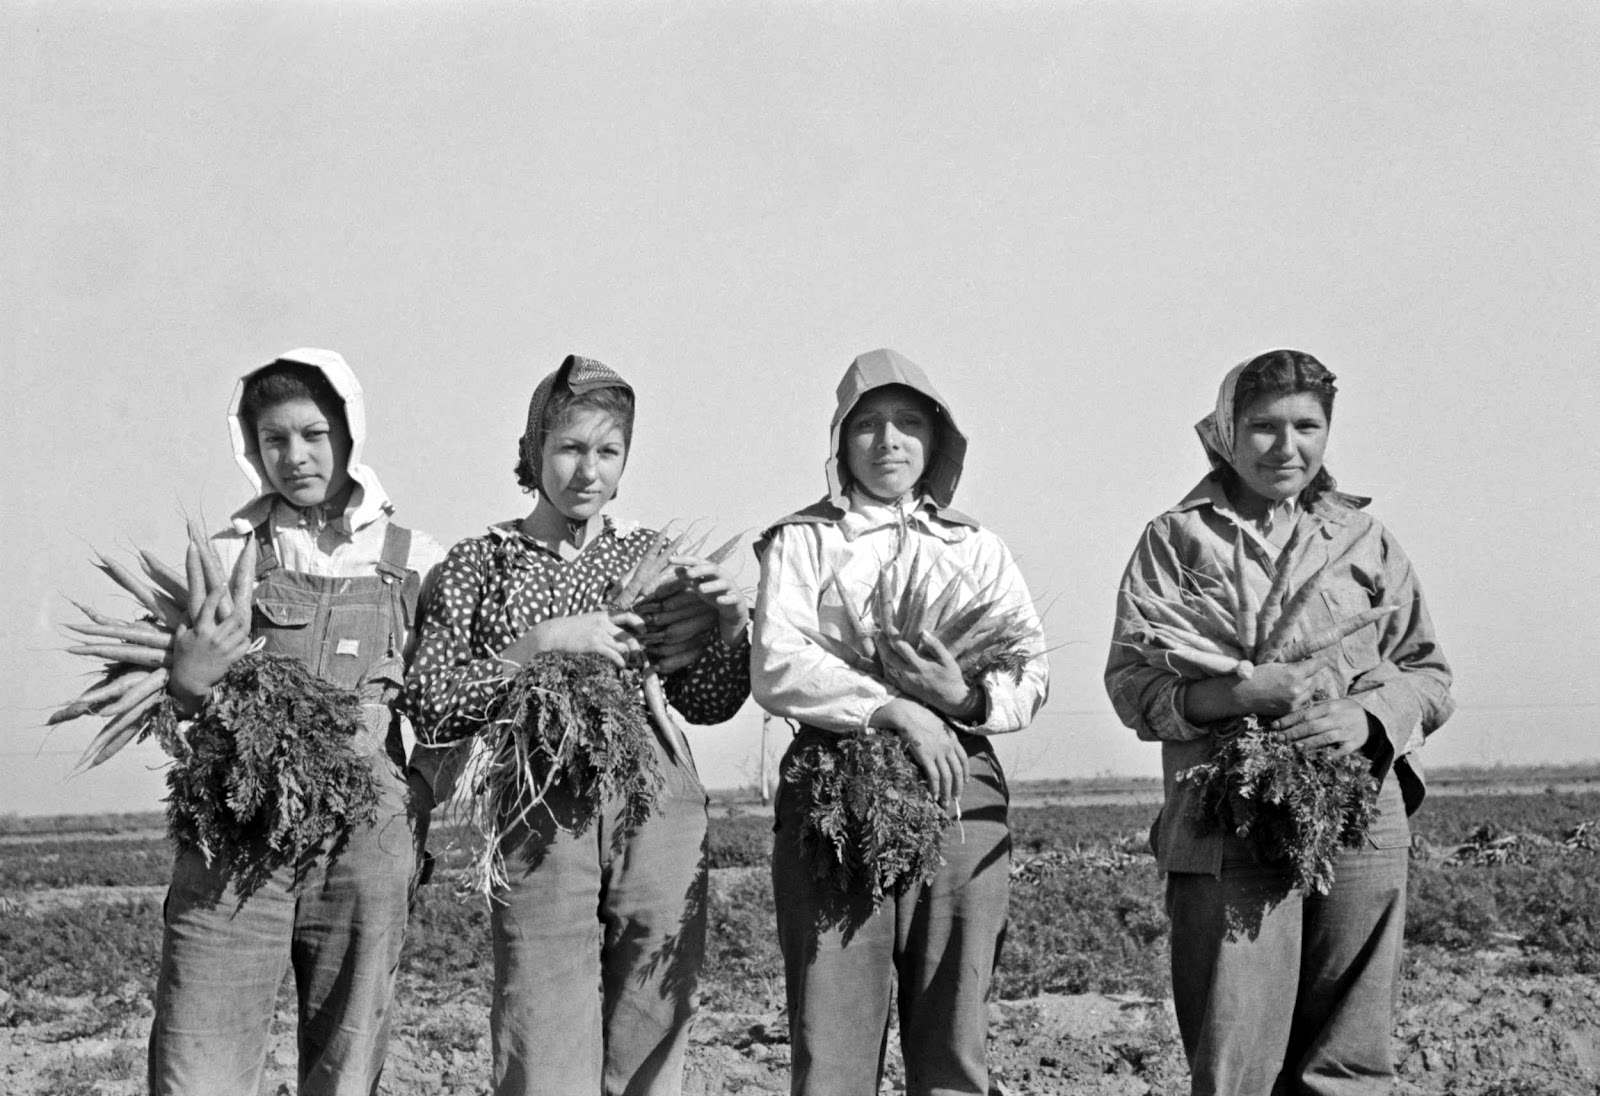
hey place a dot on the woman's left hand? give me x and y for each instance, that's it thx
(930, 675)
(1337, 725)
(717, 589)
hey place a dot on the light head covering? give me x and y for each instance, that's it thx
(878, 368)
(1216, 429)
(576, 375)
(368, 500)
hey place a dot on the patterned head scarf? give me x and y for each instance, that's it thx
(576, 375)
(1216, 429)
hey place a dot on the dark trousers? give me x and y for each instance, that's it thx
(939, 939)
(1283, 992)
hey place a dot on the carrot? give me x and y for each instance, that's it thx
(143, 635)
(725, 550)
(165, 577)
(1245, 609)
(116, 684)
(1292, 610)
(243, 586)
(1307, 646)
(197, 583)
(934, 614)
(1272, 607)
(98, 618)
(211, 567)
(129, 653)
(839, 649)
(152, 684)
(115, 735)
(129, 582)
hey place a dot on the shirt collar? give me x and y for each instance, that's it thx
(363, 508)
(868, 515)
(509, 532)
(1332, 508)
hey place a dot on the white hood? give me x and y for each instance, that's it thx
(367, 502)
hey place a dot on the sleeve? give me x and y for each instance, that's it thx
(1011, 703)
(790, 675)
(1408, 692)
(1147, 698)
(427, 560)
(451, 684)
(713, 687)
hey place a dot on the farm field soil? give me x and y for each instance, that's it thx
(1501, 993)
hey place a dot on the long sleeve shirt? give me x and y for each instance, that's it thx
(493, 588)
(1393, 667)
(803, 570)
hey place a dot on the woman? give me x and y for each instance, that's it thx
(1302, 1002)
(599, 931)
(338, 587)
(895, 457)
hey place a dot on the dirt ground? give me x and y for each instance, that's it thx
(1469, 1025)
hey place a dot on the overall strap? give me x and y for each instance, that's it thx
(396, 552)
(266, 552)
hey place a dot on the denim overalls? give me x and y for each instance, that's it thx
(342, 928)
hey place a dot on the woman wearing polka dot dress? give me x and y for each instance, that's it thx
(598, 935)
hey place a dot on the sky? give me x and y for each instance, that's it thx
(1075, 216)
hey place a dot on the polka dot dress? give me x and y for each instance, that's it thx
(491, 589)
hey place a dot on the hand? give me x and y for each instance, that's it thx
(934, 747)
(203, 652)
(678, 626)
(1340, 726)
(1279, 688)
(610, 635)
(936, 679)
(716, 588)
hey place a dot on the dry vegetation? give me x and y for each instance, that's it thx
(1501, 996)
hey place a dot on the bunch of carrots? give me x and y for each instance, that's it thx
(134, 654)
(1289, 803)
(268, 773)
(868, 819)
(575, 721)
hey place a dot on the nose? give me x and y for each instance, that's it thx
(1283, 444)
(889, 436)
(295, 451)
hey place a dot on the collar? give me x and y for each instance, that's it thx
(868, 515)
(1333, 508)
(363, 508)
(511, 532)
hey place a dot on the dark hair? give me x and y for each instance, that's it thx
(281, 382)
(930, 408)
(1283, 373)
(564, 406)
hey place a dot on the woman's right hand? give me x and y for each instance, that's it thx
(933, 745)
(610, 635)
(203, 651)
(1274, 689)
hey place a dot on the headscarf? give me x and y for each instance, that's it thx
(576, 375)
(1216, 429)
(367, 502)
(878, 368)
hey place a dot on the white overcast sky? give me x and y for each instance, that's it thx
(1075, 216)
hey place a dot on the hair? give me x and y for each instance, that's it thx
(564, 406)
(1284, 373)
(929, 407)
(281, 382)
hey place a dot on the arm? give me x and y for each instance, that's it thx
(790, 675)
(452, 681)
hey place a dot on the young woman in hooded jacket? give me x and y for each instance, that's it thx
(1301, 1002)
(894, 459)
(599, 932)
(338, 585)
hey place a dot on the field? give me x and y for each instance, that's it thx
(1501, 995)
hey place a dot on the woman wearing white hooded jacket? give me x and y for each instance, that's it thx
(895, 456)
(338, 588)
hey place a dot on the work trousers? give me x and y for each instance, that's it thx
(598, 942)
(340, 930)
(940, 940)
(1288, 993)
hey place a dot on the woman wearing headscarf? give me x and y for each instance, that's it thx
(1301, 1000)
(599, 932)
(895, 456)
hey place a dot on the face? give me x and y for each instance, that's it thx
(1278, 443)
(583, 460)
(305, 451)
(888, 441)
